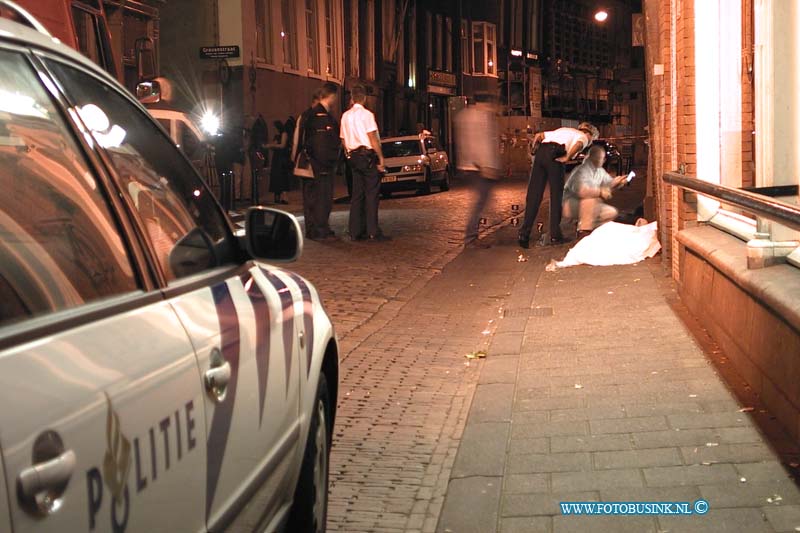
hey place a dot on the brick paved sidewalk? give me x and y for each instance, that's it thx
(404, 396)
(594, 390)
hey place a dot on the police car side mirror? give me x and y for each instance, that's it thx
(272, 235)
(149, 92)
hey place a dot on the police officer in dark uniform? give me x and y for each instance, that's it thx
(322, 144)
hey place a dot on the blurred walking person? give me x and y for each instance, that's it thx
(554, 149)
(478, 142)
(319, 139)
(362, 146)
(280, 171)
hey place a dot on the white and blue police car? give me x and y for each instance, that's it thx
(155, 374)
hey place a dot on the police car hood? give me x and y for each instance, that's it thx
(406, 160)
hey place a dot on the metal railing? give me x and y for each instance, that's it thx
(756, 204)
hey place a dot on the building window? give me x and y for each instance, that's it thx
(351, 38)
(389, 29)
(466, 60)
(484, 58)
(412, 52)
(331, 48)
(312, 36)
(263, 32)
(439, 44)
(429, 37)
(491, 50)
(289, 34)
(448, 45)
(368, 41)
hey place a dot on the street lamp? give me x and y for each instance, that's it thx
(601, 15)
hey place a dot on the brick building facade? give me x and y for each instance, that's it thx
(724, 107)
(671, 79)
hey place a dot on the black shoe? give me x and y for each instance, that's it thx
(583, 233)
(524, 243)
(556, 241)
(358, 238)
(379, 238)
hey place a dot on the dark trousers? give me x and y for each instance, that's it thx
(546, 170)
(366, 194)
(318, 201)
(483, 190)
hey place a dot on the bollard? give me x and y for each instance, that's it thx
(226, 190)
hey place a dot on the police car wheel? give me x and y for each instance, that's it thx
(445, 183)
(310, 509)
(426, 187)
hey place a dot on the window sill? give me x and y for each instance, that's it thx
(290, 70)
(315, 76)
(263, 65)
(777, 286)
(737, 225)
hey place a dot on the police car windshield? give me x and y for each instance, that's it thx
(401, 148)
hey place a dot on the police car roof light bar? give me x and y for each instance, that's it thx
(26, 18)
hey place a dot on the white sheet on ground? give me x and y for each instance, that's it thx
(614, 244)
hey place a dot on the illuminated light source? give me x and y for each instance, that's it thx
(20, 104)
(196, 193)
(210, 123)
(94, 117)
(107, 135)
(491, 63)
(516, 53)
(601, 16)
(283, 34)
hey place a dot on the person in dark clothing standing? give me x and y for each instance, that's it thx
(281, 165)
(320, 139)
(365, 158)
(297, 147)
(257, 153)
(554, 149)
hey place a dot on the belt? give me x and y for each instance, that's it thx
(361, 150)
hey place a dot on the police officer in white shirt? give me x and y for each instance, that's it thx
(555, 148)
(362, 145)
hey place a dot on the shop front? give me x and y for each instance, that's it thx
(441, 87)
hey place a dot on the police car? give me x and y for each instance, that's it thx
(414, 162)
(155, 374)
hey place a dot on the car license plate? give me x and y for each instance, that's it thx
(389, 179)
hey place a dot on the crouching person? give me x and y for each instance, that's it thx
(586, 190)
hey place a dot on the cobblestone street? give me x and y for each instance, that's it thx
(404, 329)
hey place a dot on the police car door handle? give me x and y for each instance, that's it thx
(46, 476)
(217, 379)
